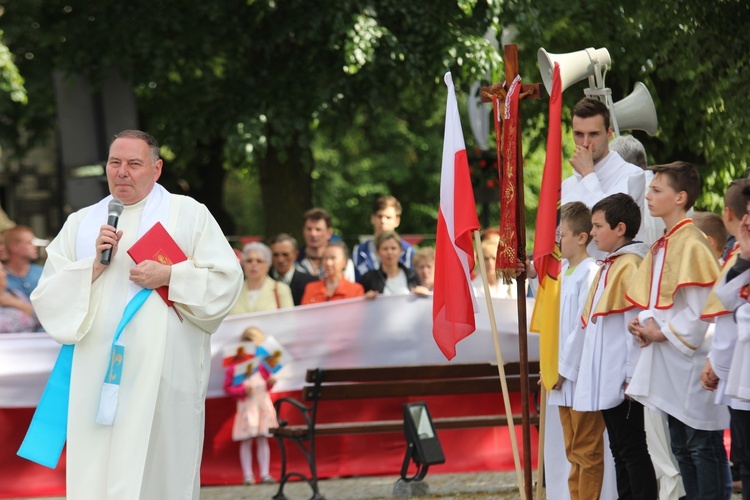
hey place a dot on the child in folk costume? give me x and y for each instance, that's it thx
(574, 460)
(608, 353)
(255, 412)
(671, 289)
(728, 307)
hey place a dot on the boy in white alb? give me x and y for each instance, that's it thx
(671, 289)
(574, 467)
(607, 352)
(729, 355)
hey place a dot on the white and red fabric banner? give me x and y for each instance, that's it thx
(391, 330)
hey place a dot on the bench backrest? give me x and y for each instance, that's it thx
(407, 381)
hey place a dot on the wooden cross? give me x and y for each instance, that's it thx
(528, 91)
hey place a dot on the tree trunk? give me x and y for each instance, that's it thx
(209, 190)
(286, 187)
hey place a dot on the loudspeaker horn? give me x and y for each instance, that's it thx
(574, 66)
(637, 111)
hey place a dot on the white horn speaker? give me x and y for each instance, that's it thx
(637, 111)
(574, 66)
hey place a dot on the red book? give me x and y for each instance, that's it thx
(156, 244)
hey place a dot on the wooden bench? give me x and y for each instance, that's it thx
(336, 384)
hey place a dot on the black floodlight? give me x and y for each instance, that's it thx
(422, 443)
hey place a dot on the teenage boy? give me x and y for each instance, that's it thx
(721, 358)
(671, 289)
(608, 352)
(574, 444)
(386, 216)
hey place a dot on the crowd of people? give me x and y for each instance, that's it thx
(281, 275)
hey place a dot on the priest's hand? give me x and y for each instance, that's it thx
(108, 238)
(709, 379)
(151, 274)
(583, 160)
(558, 385)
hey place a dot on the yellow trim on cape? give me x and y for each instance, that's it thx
(688, 261)
(616, 282)
(714, 307)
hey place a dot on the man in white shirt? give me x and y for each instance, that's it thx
(598, 172)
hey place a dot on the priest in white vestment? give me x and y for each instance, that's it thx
(153, 448)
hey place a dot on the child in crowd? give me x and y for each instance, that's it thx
(608, 353)
(574, 449)
(712, 225)
(255, 412)
(386, 216)
(720, 359)
(424, 265)
(671, 289)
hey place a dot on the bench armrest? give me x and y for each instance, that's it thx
(302, 408)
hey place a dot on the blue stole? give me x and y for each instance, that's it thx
(48, 431)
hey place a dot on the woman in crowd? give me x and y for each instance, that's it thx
(261, 292)
(498, 289)
(16, 313)
(334, 286)
(392, 277)
(423, 263)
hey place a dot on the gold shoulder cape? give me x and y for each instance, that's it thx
(714, 307)
(616, 282)
(688, 261)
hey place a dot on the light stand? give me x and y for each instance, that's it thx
(422, 447)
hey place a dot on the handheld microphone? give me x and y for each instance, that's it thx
(115, 210)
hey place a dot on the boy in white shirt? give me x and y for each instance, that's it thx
(671, 289)
(583, 470)
(607, 352)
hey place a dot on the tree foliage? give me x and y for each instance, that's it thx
(253, 84)
(331, 102)
(691, 54)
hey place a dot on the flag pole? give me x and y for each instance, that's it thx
(528, 91)
(540, 446)
(500, 366)
(511, 70)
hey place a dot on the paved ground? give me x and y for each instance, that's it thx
(486, 485)
(472, 486)
(464, 486)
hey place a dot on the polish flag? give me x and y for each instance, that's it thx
(454, 304)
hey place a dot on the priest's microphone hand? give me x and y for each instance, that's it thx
(151, 274)
(108, 239)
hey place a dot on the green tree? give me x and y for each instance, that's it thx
(240, 84)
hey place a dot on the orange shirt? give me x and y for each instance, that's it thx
(315, 292)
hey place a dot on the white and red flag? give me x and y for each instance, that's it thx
(454, 305)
